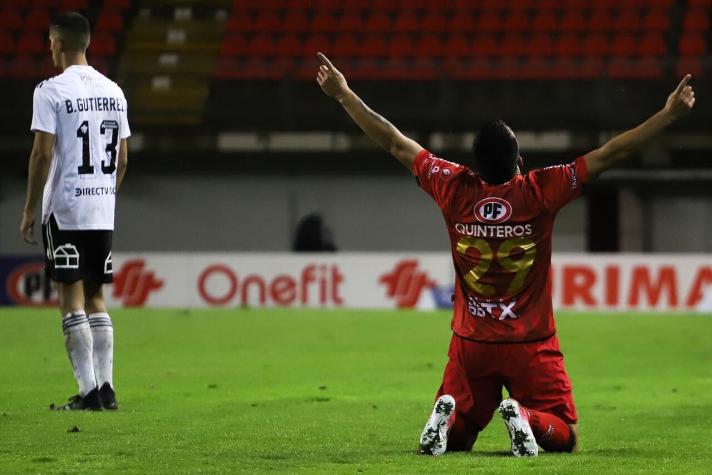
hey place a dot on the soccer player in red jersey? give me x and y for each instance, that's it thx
(500, 224)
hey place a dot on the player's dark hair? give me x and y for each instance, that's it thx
(74, 29)
(496, 152)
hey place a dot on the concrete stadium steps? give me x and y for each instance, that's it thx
(169, 60)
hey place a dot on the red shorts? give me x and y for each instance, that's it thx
(533, 374)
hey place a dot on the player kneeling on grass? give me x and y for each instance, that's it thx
(79, 156)
(500, 223)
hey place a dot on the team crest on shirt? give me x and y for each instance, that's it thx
(493, 210)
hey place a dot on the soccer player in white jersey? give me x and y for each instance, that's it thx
(79, 156)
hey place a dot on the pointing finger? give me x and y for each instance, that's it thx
(683, 83)
(325, 61)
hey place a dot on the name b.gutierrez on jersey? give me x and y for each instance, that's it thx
(99, 104)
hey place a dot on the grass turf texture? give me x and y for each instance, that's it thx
(338, 392)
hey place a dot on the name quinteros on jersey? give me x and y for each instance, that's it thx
(491, 213)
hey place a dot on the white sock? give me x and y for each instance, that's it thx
(102, 332)
(78, 340)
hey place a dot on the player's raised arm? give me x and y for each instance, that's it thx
(40, 161)
(385, 134)
(627, 144)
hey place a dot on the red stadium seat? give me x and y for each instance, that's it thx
(653, 44)
(346, 45)
(544, 21)
(287, 46)
(573, 20)
(118, 4)
(240, 21)
(627, 20)
(624, 44)
(540, 45)
(699, 3)
(373, 46)
(395, 69)
(7, 44)
(513, 45)
(422, 70)
(564, 68)
(429, 46)
(351, 21)
(601, 20)
(536, 69)
(401, 46)
(413, 4)
(462, 21)
(25, 67)
(261, 45)
(692, 44)
(696, 19)
(356, 4)
(49, 4)
(596, 45)
(323, 21)
(295, 21)
(485, 46)
(37, 19)
(293, 5)
(516, 20)
(234, 45)
(47, 69)
(32, 42)
(110, 21)
(489, 21)
(657, 20)
(568, 45)
(434, 20)
(689, 66)
(624, 68)
(378, 21)
(591, 68)
(267, 70)
(366, 68)
(10, 19)
(103, 44)
(226, 68)
(74, 5)
(316, 43)
(457, 46)
(267, 21)
(406, 22)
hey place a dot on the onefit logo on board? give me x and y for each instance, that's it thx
(405, 283)
(493, 210)
(133, 283)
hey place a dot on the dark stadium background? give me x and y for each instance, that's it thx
(233, 142)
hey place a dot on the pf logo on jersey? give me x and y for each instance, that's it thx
(493, 210)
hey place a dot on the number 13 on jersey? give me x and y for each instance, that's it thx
(110, 126)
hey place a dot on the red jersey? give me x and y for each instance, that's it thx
(501, 244)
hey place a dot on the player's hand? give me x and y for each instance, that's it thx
(681, 100)
(330, 79)
(27, 227)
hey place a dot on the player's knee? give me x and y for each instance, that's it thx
(569, 445)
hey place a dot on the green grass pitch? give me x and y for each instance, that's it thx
(339, 392)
